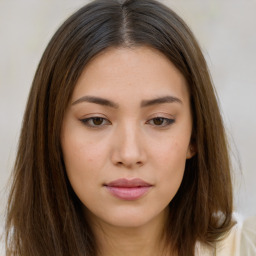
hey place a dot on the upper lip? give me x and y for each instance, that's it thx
(128, 183)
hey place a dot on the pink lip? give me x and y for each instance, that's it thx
(128, 189)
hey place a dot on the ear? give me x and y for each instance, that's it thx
(191, 151)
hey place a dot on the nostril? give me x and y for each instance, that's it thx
(139, 163)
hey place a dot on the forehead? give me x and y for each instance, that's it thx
(131, 72)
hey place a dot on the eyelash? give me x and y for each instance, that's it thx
(87, 121)
(167, 121)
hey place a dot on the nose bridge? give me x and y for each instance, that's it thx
(129, 149)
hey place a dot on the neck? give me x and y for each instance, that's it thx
(145, 240)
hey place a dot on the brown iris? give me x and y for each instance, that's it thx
(97, 120)
(158, 121)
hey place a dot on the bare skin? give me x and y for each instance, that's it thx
(124, 241)
(129, 119)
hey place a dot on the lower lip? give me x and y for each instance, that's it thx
(128, 193)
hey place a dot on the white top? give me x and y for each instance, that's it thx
(241, 241)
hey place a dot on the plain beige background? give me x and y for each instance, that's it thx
(226, 31)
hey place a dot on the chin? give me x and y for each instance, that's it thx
(130, 222)
(128, 217)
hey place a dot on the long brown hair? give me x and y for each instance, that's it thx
(44, 215)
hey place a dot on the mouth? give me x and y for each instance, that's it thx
(126, 189)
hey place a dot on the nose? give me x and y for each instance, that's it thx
(128, 148)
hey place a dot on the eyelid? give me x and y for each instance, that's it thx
(168, 118)
(86, 121)
(162, 115)
(167, 121)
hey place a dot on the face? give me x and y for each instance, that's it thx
(126, 136)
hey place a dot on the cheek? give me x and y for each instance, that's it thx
(170, 160)
(80, 150)
(171, 151)
(83, 157)
(81, 168)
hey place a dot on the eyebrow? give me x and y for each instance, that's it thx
(160, 100)
(96, 100)
(144, 103)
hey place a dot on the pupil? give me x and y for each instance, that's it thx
(158, 121)
(97, 121)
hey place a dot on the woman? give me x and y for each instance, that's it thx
(122, 150)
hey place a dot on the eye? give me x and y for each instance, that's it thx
(161, 121)
(95, 122)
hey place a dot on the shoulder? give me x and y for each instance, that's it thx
(248, 237)
(240, 241)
